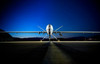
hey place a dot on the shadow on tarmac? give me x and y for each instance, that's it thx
(23, 53)
(34, 53)
(81, 53)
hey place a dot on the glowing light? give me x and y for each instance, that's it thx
(40, 40)
(58, 40)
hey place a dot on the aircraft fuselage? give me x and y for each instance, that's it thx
(49, 29)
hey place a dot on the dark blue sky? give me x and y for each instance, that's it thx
(26, 15)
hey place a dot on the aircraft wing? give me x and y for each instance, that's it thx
(23, 32)
(76, 32)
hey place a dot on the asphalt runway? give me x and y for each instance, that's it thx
(54, 52)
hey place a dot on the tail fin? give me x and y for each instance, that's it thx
(44, 37)
(58, 28)
(41, 28)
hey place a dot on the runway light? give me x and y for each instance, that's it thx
(40, 40)
(58, 40)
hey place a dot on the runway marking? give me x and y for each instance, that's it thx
(56, 56)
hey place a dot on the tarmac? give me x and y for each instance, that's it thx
(53, 52)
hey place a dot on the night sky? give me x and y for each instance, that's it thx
(26, 15)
